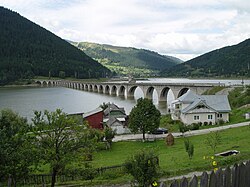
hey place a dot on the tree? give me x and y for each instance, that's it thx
(15, 146)
(109, 134)
(189, 147)
(144, 117)
(144, 167)
(213, 140)
(60, 138)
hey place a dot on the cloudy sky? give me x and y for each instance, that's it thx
(182, 28)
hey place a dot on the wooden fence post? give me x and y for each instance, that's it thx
(174, 184)
(227, 182)
(194, 182)
(219, 177)
(235, 176)
(184, 182)
(248, 172)
(162, 184)
(242, 173)
(212, 181)
(204, 179)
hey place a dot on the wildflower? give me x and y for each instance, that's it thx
(214, 163)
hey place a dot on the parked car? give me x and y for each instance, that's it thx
(160, 131)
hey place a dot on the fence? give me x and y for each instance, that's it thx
(43, 179)
(237, 176)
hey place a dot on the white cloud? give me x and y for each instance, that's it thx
(183, 28)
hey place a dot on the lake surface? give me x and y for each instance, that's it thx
(26, 100)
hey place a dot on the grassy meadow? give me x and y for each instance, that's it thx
(174, 160)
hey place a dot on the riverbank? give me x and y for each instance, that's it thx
(20, 86)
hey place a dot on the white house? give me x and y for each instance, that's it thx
(192, 108)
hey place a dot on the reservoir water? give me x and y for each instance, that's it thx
(26, 100)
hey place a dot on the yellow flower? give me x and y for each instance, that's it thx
(212, 157)
(214, 163)
(154, 183)
(204, 157)
(215, 169)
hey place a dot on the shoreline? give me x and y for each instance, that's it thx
(20, 86)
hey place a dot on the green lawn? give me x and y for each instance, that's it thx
(174, 160)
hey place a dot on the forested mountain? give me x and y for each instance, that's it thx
(127, 60)
(27, 49)
(231, 61)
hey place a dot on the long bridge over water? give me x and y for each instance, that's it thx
(127, 90)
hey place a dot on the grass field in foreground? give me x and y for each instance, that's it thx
(174, 160)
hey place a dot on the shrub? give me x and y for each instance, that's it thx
(205, 123)
(221, 122)
(210, 123)
(183, 128)
(144, 167)
(189, 147)
(195, 126)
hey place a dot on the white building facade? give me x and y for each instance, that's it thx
(204, 109)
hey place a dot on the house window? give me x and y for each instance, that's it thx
(196, 117)
(177, 106)
(219, 115)
(210, 116)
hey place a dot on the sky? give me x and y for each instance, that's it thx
(181, 28)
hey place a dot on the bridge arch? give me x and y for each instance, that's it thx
(131, 91)
(44, 83)
(182, 92)
(149, 92)
(100, 90)
(49, 83)
(163, 94)
(107, 89)
(86, 87)
(121, 91)
(39, 82)
(90, 87)
(95, 88)
(113, 90)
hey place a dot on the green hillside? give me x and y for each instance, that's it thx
(127, 60)
(28, 50)
(231, 61)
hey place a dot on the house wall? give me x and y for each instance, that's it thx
(95, 120)
(203, 117)
(225, 117)
(120, 129)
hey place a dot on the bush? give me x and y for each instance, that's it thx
(210, 123)
(183, 128)
(189, 147)
(86, 173)
(221, 122)
(195, 126)
(144, 167)
(205, 123)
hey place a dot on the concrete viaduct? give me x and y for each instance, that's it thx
(127, 90)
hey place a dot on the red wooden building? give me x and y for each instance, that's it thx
(94, 118)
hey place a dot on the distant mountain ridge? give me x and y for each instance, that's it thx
(127, 60)
(28, 50)
(230, 61)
